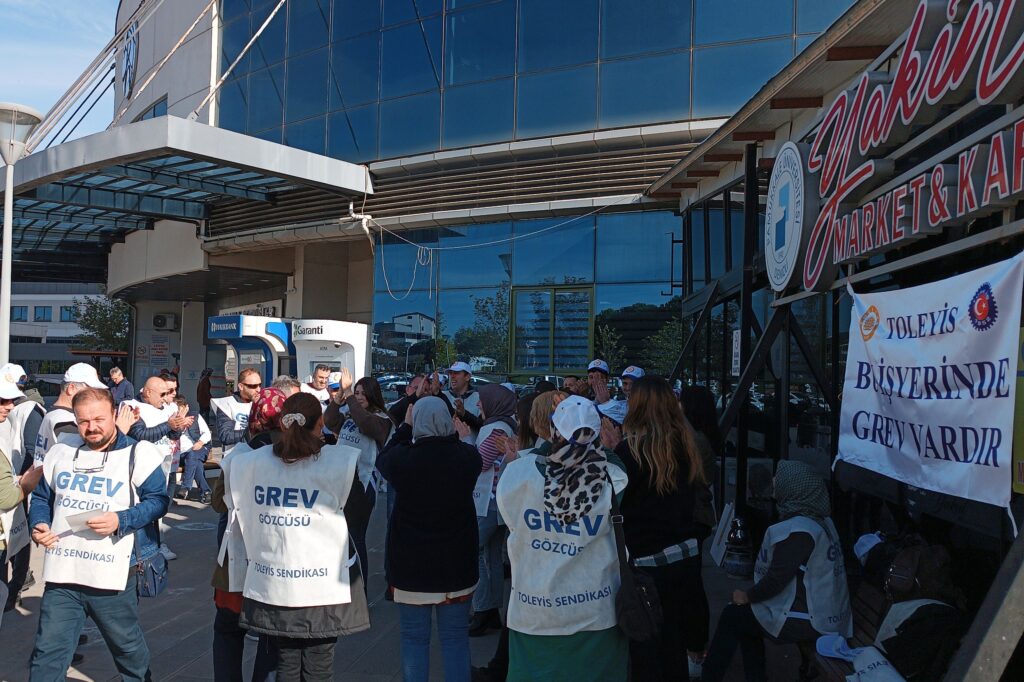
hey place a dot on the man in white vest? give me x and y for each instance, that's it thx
(59, 419)
(162, 427)
(233, 411)
(95, 512)
(317, 385)
(15, 485)
(20, 430)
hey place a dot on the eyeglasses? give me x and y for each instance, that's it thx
(88, 469)
(251, 387)
(166, 393)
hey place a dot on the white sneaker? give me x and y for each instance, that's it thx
(696, 668)
(168, 554)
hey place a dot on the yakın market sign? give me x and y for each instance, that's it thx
(954, 51)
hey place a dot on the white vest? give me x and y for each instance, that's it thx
(13, 523)
(16, 422)
(293, 524)
(483, 493)
(828, 599)
(472, 403)
(85, 558)
(232, 546)
(351, 435)
(897, 615)
(235, 410)
(322, 394)
(564, 578)
(154, 416)
(47, 437)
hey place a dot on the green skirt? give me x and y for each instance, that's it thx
(598, 656)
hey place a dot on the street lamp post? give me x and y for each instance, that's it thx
(16, 125)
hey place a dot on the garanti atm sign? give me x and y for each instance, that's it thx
(955, 51)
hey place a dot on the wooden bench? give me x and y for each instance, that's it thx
(869, 607)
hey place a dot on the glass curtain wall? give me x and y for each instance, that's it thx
(367, 79)
(532, 297)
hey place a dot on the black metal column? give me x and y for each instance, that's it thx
(750, 227)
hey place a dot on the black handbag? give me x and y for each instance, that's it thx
(637, 605)
(151, 573)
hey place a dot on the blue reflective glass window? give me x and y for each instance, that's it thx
(557, 33)
(232, 105)
(397, 266)
(636, 247)
(272, 135)
(563, 255)
(403, 330)
(480, 339)
(354, 67)
(232, 9)
(309, 25)
(645, 90)
(480, 43)
(478, 266)
(719, 21)
(817, 15)
(696, 249)
(716, 240)
(637, 26)
(411, 59)
(803, 41)
(352, 134)
(533, 329)
(307, 86)
(736, 227)
(266, 98)
(478, 113)
(633, 313)
(410, 125)
(308, 135)
(571, 339)
(269, 47)
(397, 11)
(233, 39)
(557, 102)
(744, 67)
(354, 17)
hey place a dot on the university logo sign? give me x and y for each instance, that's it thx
(784, 217)
(955, 51)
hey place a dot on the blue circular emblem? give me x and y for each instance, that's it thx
(983, 311)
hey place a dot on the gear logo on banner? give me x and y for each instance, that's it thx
(983, 311)
(869, 323)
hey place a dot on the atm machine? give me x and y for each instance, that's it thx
(260, 342)
(333, 343)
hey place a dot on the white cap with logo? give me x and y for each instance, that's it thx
(12, 373)
(599, 365)
(461, 367)
(9, 390)
(632, 372)
(334, 380)
(614, 410)
(82, 373)
(575, 413)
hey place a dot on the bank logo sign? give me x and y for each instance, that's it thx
(784, 217)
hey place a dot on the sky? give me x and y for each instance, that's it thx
(46, 45)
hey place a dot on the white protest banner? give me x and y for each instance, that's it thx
(930, 382)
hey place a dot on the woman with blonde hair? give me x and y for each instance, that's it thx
(664, 468)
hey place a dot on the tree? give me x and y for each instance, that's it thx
(608, 346)
(104, 323)
(662, 348)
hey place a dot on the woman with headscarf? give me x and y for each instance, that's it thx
(228, 636)
(303, 586)
(431, 558)
(800, 589)
(497, 412)
(561, 545)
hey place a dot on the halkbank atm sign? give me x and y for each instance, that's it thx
(820, 215)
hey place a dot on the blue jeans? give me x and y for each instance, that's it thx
(194, 471)
(452, 630)
(61, 619)
(492, 573)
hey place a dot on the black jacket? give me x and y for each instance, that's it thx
(432, 537)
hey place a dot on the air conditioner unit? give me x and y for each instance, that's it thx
(166, 322)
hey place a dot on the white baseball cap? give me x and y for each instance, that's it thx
(599, 365)
(575, 413)
(614, 410)
(9, 390)
(461, 367)
(12, 373)
(82, 373)
(334, 380)
(632, 372)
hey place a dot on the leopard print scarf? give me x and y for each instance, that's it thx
(573, 481)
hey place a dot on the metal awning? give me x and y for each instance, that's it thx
(72, 201)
